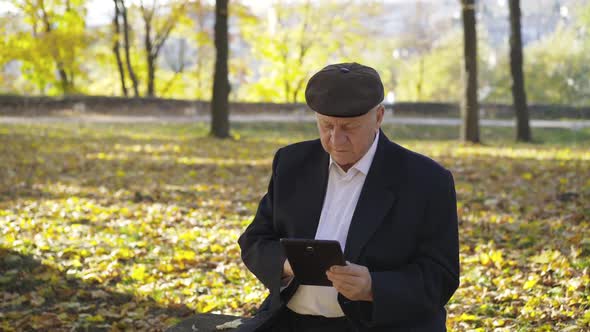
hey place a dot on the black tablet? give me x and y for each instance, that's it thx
(310, 259)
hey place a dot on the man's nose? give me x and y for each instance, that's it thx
(338, 137)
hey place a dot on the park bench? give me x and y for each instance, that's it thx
(204, 323)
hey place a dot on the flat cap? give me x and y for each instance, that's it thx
(344, 90)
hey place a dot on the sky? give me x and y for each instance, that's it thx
(100, 11)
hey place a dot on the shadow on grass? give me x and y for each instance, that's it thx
(35, 296)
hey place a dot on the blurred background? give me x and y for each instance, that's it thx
(166, 49)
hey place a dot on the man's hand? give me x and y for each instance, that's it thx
(287, 273)
(287, 270)
(353, 281)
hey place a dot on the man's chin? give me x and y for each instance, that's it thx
(343, 164)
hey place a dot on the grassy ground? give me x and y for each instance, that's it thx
(115, 227)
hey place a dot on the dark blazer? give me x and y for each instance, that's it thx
(404, 229)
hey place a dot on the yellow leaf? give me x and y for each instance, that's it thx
(138, 273)
(484, 259)
(530, 283)
(216, 248)
(166, 267)
(467, 317)
(95, 319)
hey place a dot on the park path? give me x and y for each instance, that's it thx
(250, 118)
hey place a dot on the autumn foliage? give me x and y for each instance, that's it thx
(134, 227)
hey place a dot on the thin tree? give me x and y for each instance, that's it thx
(155, 36)
(201, 11)
(469, 104)
(66, 82)
(117, 47)
(523, 130)
(221, 87)
(177, 64)
(304, 40)
(126, 30)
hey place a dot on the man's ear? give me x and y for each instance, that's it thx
(380, 114)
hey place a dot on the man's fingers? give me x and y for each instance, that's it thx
(344, 289)
(353, 281)
(344, 278)
(349, 292)
(351, 269)
(344, 281)
(287, 270)
(344, 285)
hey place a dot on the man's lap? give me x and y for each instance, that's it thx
(289, 321)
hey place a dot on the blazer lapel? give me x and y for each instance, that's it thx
(312, 186)
(377, 197)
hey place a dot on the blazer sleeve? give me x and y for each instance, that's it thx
(420, 289)
(260, 243)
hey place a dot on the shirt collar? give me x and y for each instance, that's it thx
(364, 163)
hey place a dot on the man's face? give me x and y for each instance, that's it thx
(348, 139)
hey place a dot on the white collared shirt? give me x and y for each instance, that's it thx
(342, 195)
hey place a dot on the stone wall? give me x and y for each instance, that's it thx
(43, 106)
(490, 111)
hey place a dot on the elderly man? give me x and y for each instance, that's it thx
(392, 210)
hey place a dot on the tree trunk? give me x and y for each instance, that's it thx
(155, 38)
(420, 80)
(63, 75)
(221, 88)
(199, 62)
(151, 67)
(286, 83)
(296, 90)
(116, 48)
(127, 47)
(469, 104)
(65, 84)
(286, 86)
(150, 59)
(523, 131)
(178, 70)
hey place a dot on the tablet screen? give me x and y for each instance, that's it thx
(310, 259)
